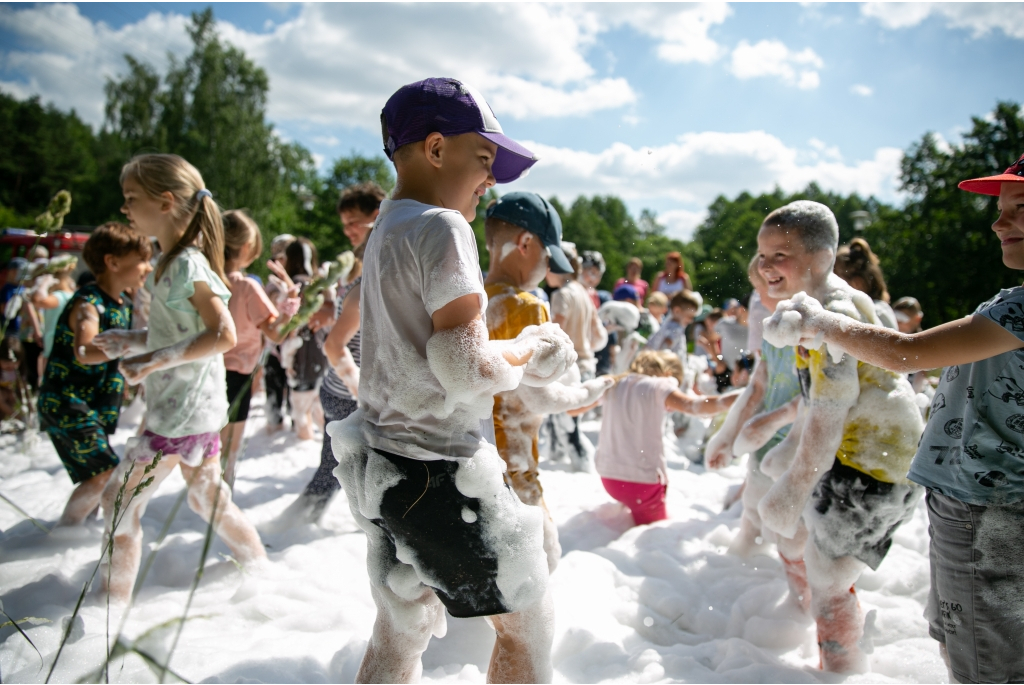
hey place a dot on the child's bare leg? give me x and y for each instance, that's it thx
(302, 408)
(121, 566)
(84, 499)
(231, 438)
(791, 552)
(522, 646)
(836, 610)
(401, 634)
(207, 490)
(755, 487)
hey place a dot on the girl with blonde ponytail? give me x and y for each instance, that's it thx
(181, 359)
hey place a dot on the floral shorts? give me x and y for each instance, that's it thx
(192, 448)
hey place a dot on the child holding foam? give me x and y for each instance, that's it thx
(969, 457)
(81, 392)
(254, 316)
(419, 477)
(521, 231)
(841, 470)
(180, 357)
(630, 455)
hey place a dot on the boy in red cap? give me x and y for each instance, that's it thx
(443, 530)
(970, 455)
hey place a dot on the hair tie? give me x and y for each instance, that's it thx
(200, 194)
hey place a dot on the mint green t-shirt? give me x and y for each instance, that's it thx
(191, 398)
(782, 386)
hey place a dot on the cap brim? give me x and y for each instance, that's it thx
(989, 185)
(558, 262)
(512, 161)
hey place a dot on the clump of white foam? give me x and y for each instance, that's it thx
(790, 325)
(115, 343)
(551, 353)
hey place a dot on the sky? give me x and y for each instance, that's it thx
(665, 105)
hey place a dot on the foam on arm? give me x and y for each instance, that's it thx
(721, 447)
(760, 429)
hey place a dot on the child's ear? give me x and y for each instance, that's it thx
(524, 241)
(433, 147)
(111, 262)
(166, 202)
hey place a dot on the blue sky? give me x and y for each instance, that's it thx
(665, 105)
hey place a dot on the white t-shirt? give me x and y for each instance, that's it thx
(755, 322)
(581, 323)
(418, 259)
(734, 339)
(187, 399)
(630, 446)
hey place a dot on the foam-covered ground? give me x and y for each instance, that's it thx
(655, 603)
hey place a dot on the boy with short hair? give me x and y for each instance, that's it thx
(80, 396)
(683, 308)
(421, 481)
(522, 229)
(844, 463)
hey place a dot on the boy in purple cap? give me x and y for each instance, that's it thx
(443, 530)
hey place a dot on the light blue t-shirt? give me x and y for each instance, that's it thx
(973, 446)
(782, 386)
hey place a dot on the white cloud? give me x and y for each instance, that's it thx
(862, 90)
(773, 59)
(681, 223)
(72, 57)
(681, 31)
(685, 176)
(977, 17)
(330, 65)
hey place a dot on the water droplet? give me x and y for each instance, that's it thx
(758, 540)
(648, 621)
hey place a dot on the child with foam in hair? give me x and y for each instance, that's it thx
(524, 235)
(842, 468)
(81, 393)
(255, 316)
(443, 530)
(630, 455)
(970, 454)
(180, 358)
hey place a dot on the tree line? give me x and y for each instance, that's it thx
(210, 107)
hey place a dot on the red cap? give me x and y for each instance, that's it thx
(990, 184)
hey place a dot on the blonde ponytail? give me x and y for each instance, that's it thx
(157, 174)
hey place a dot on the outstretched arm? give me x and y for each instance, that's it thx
(721, 449)
(85, 323)
(219, 337)
(700, 405)
(963, 341)
(559, 397)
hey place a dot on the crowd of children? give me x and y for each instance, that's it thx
(434, 387)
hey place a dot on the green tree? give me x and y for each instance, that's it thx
(42, 150)
(940, 248)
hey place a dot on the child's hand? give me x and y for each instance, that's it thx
(118, 342)
(796, 322)
(718, 454)
(551, 353)
(135, 372)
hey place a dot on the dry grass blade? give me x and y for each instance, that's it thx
(24, 513)
(28, 619)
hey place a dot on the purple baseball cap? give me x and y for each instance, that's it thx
(450, 107)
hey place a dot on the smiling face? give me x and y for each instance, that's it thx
(785, 263)
(465, 168)
(1009, 227)
(127, 271)
(356, 224)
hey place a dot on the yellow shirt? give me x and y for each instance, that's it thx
(882, 430)
(509, 311)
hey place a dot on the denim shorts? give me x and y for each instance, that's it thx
(976, 602)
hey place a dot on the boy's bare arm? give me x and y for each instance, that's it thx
(720, 449)
(963, 341)
(85, 323)
(760, 429)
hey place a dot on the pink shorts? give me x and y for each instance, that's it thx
(192, 448)
(646, 501)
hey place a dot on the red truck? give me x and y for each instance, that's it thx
(16, 242)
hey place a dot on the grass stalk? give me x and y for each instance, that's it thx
(24, 513)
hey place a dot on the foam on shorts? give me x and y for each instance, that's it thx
(510, 526)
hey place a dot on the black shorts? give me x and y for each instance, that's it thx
(856, 515)
(240, 390)
(80, 440)
(422, 530)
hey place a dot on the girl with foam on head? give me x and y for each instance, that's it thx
(180, 358)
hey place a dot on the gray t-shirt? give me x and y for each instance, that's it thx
(973, 446)
(418, 259)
